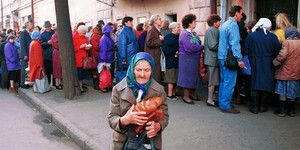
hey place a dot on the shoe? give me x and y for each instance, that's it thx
(231, 110)
(191, 102)
(173, 97)
(25, 86)
(194, 99)
(84, 91)
(59, 87)
(211, 105)
(104, 90)
(96, 83)
(84, 87)
(12, 90)
(263, 102)
(280, 111)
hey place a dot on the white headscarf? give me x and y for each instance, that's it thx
(263, 23)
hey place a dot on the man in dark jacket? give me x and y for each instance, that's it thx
(4, 74)
(47, 48)
(24, 38)
(127, 43)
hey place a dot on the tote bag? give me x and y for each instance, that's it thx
(246, 71)
(42, 85)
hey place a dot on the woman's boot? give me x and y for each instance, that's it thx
(263, 102)
(280, 111)
(254, 105)
(292, 109)
(96, 83)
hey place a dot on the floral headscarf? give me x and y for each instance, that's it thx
(131, 80)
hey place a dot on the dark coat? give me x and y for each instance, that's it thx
(47, 48)
(170, 47)
(24, 39)
(120, 102)
(152, 46)
(262, 49)
(142, 39)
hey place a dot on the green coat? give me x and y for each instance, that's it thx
(121, 101)
(211, 44)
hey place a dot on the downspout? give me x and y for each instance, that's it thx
(213, 7)
(32, 12)
(223, 10)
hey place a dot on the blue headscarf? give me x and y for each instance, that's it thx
(131, 80)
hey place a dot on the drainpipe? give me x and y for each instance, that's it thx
(213, 7)
(223, 10)
(32, 13)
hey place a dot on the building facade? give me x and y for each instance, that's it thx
(17, 12)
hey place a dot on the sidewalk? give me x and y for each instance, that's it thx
(190, 126)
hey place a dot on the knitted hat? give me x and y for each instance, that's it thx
(35, 35)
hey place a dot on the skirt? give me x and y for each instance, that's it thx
(213, 76)
(171, 75)
(14, 75)
(289, 89)
(188, 71)
(81, 73)
(57, 71)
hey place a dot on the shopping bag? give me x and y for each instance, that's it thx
(246, 71)
(105, 79)
(42, 84)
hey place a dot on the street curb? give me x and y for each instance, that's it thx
(80, 138)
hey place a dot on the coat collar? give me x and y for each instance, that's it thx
(126, 92)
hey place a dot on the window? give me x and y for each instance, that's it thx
(141, 19)
(171, 17)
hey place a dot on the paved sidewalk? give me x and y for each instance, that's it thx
(190, 126)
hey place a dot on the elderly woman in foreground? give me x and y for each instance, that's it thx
(136, 87)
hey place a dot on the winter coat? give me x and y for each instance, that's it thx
(211, 44)
(152, 46)
(142, 39)
(47, 48)
(261, 50)
(127, 46)
(106, 44)
(24, 39)
(2, 56)
(79, 52)
(170, 47)
(95, 45)
(288, 61)
(12, 57)
(122, 99)
(36, 60)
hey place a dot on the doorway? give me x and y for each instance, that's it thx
(269, 8)
(171, 17)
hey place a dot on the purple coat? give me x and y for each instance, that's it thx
(106, 44)
(12, 57)
(188, 47)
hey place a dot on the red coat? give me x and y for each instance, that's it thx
(79, 52)
(95, 44)
(36, 60)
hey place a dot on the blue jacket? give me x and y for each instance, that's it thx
(106, 44)
(170, 47)
(229, 37)
(127, 46)
(12, 57)
(47, 48)
(24, 38)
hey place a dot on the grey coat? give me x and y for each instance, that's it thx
(211, 44)
(121, 100)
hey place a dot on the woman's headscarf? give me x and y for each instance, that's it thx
(131, 79)
(291, 33)
(263, 23)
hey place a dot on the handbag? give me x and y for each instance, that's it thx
(246, 71)
(162, 61)
(202, 69)
(138, 143)
(231, 61)
(89, 62)
(120, 74)
(105, 79)
(42, 84)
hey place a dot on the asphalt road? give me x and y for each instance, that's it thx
(22, 127)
